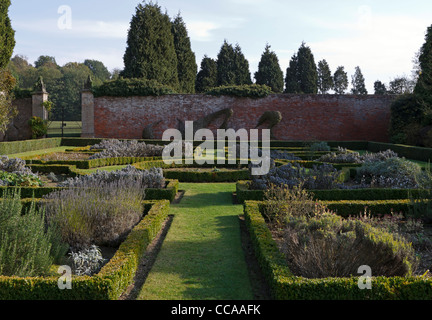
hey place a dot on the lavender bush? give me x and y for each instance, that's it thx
(114, 148)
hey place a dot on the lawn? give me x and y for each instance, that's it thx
(201, 258)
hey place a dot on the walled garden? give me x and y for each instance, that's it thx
(323, 210)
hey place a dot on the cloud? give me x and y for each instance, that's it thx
(202, 30)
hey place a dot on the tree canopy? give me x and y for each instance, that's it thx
(302, 75)
(269, 71)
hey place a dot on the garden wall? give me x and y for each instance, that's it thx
(304, 117)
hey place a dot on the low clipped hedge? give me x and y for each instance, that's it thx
(167, 193)
(409, 152)
(244, 193)
(109, 283)
(14, 147)
(285, 286)
(207, 176)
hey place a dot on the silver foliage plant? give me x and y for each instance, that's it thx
(152, 178)
(88, 261)
(14, 165)
(342, 155)
(113, 148)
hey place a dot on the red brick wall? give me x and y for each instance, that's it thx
(305, 117)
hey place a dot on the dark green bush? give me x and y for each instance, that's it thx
(28, 145)
(131, 87)
(244, 91)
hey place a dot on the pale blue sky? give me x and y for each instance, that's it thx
(381, 36)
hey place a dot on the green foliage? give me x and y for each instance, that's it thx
(98, 69)
(150, 52)
(38, 127)
(207, 76)
(14, 147)
(380, 88)
(340, 79)
(27, 248)
(7, 110)
(325, 79)
(302, 75)
(269, 72)
(131, 87)
(22, 180)
(424, 83)
(186, 62)
(232, 66)
(358, 82)
(246, 91)
(7, 35)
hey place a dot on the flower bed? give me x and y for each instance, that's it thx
(109, 283)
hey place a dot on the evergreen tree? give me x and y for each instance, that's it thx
(7, 34)
(380, 88)
(302, 75)
(292, 83)
(269, 72)
(358, 82)
(45, 60)
(186, 60)
(225, 65)
(307, 70)
(340, 79)
(423, 87)
(241, 67)
(150, 52)
(325, 79)
(207, 76)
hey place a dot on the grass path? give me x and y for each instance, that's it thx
(201, 257)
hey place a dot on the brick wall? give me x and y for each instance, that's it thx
(19, 128)
(305, 117)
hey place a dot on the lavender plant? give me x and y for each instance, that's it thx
(13, 172)
(114, 148)
(152, 178)
(97, 211)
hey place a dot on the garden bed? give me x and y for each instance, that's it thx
(111, 281)
(286, 286)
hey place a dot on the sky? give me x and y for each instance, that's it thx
(381, 37)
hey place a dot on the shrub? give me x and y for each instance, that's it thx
(38, 127)
(131, 87)
(319, 146)
(13, 172)
(247, 91)
(345, 156)
(319, 244)
(114, 148)
(151, 178)
(393, 173)
(27, 247)
(87, 261)
(324, 176)
(99, 212)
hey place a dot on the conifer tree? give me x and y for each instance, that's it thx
(358, 82)
(292, 82)
(325, 78)
(7, 34)
(186, 60)
(340, 79)
(150, 52)
(302, 75)
(423, 87)
(207, 76)
(225, 65)
(241, 67)
(269, 72)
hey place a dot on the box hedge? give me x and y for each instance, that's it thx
(7, 148)
(285, 286)
(109, 283)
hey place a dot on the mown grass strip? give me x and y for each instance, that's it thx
(201, 258)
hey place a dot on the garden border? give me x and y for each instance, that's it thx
(110, 282)
(285, 286)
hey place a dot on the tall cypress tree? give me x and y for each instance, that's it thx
(325, 78)
(150, 52)
(225, 65)
(269, 72)
(241, 67)
(302, 75)
(358, 82)
(186, 60)
(423, 87)
(292, 82)
(340, 79)
(207, 76)
(7, 34)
